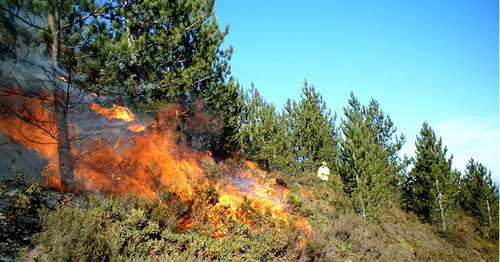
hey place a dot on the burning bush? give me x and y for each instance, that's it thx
(133, 228)
(125, 155)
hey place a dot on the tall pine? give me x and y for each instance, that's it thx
(311, 130)
(432, 186)
(260, 130)
(44, 46)
(368, 163)
(478, 193)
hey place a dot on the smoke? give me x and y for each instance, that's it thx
(16, 161)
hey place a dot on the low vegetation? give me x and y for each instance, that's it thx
(131, 228)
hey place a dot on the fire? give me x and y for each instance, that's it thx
(303, 224)
(233, 198)
(302, 244)
(308, 194)
(33, 126)
(63, 78)
(150, 157)
(117, 112)
(133, 167)
(136, 128)
(39, 130)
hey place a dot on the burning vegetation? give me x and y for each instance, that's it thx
(151, 160)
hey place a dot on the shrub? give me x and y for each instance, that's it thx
(126, 228)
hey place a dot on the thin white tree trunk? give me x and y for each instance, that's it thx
(440, 202)
(363, 211)
(489, 212)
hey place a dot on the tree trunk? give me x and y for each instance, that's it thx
(489, 212)
(133, 58)
(440, 202)
(63, 144)
(363, 211)
(60, 110)
(54, 44)
(266, 166)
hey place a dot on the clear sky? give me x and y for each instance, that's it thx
(434, 61)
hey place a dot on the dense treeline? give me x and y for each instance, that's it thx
(363, 152)
(147, 54)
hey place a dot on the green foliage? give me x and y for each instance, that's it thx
(130, 228)
(260, 133)
(171, 48)
(213, 171)
(28, 27)
(27, 199)
(155, 53)
(225, 103)
(139, 52)
(69, 232)
(299, 139)
(369, 164)
(123, 230)
(478, 194)
(40, 32)
(431, 188)
(309, 131)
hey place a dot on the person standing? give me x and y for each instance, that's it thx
(323, 172)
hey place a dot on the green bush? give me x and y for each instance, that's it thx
(27, 198)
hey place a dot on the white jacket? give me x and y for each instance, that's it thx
(323, 173)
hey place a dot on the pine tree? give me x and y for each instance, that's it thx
(260, 131)
(158, 52)
(226, 105)
(311, 130)
(478, 194)
(369, 164)
(432, 186)
(158, 49)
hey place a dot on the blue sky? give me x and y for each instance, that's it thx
(434, 61)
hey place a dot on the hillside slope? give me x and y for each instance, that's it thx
(321, 226)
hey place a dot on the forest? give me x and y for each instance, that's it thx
(130, 140)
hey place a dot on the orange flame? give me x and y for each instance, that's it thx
(152, 156)
(308, 194)
(265, 194)
(36, 134)
(117, 112)
(133, 167)
(29, 122)
(136, 128)
(63, 78)
(303, 224)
